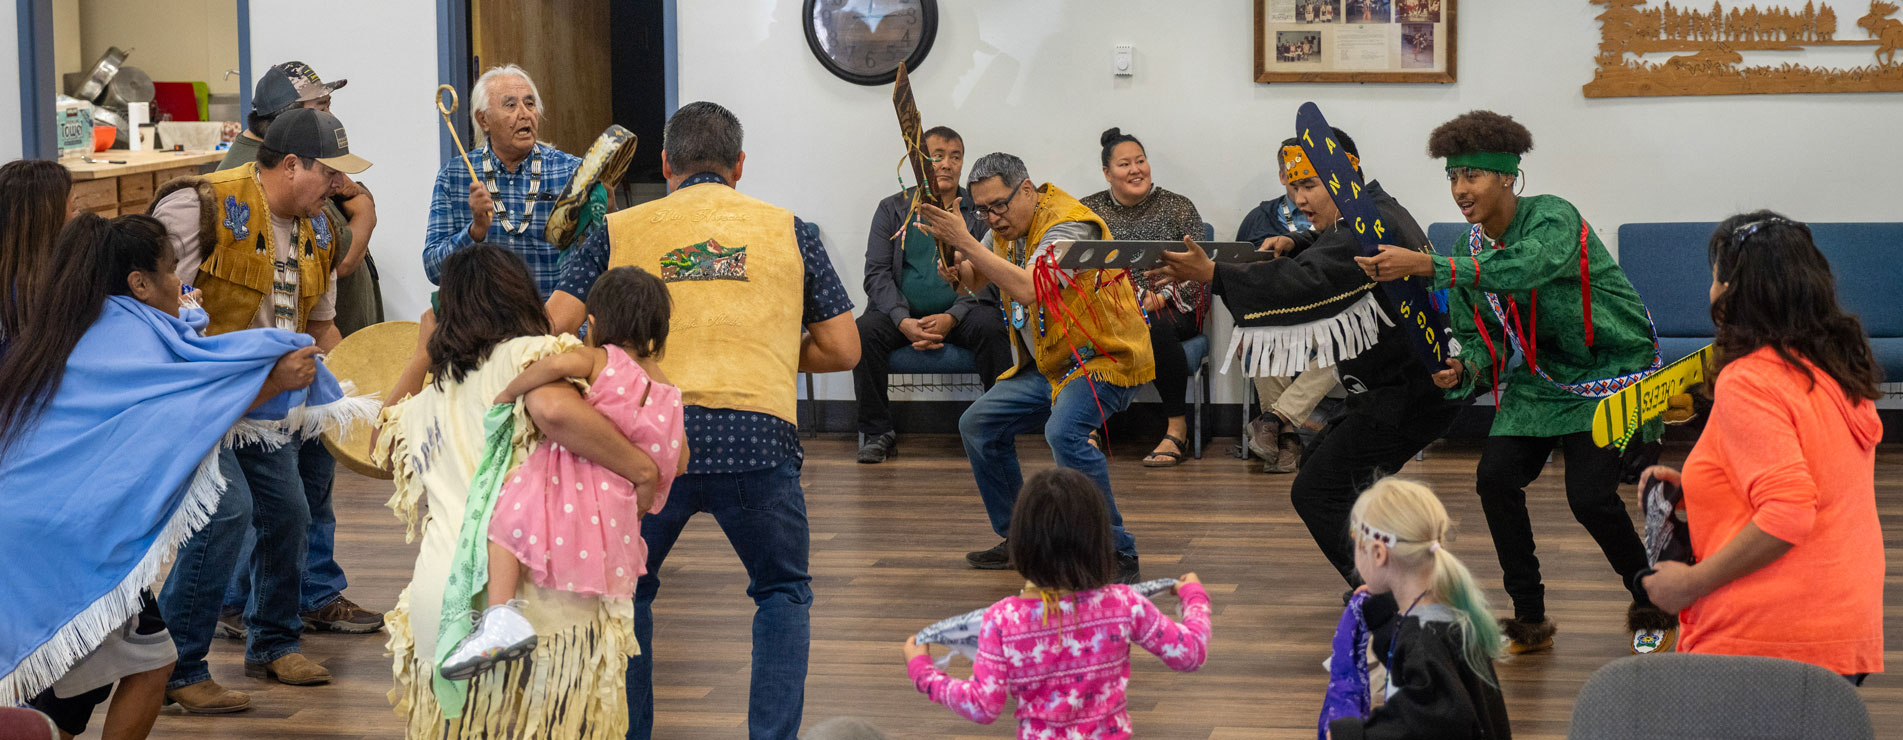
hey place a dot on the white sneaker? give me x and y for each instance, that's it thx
(502, 634)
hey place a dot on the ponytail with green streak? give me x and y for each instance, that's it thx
(1412, 522)
(1454, 586)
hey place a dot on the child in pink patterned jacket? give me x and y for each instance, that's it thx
(1062, 646)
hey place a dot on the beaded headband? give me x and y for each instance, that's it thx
(1378, 535)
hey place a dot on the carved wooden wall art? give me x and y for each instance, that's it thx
(1690, 50)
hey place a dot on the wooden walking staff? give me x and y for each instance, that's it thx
(454, 103)
(911, 129)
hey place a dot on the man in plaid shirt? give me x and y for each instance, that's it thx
(520, 178)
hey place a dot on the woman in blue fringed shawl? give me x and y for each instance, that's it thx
(112, 410)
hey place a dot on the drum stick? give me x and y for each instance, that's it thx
(454, 103)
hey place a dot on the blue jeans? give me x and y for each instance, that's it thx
(1020, 404)
(323, 579)
(263, 492)
(763, 513)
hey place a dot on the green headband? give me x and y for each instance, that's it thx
(1501, 162)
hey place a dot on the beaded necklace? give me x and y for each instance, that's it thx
(284, 273)
(503, 220)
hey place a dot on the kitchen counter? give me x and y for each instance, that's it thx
(137, 162)
(114, 189)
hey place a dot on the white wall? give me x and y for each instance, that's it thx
(172, 41)
(389, 56)
(1033, 78)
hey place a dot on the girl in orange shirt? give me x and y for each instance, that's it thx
(1780, 490)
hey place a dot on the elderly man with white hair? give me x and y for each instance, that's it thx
(518, 180)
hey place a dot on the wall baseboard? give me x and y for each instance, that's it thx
(1146, 419)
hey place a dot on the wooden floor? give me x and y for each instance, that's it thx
(887, 560)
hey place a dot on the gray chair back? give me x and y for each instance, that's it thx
(1717, 697)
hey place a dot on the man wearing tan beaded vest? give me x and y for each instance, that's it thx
(1082, 349)
(254, 241)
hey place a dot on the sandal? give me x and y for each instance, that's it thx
(1172, 459)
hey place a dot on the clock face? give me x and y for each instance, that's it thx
(863, 41)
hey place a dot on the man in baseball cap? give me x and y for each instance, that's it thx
(288, 84)
(256, 244)
(281, 88)
(350, 218)
(315, 135)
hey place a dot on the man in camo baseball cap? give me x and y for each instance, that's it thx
(287, 84)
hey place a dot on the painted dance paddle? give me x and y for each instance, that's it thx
(1422, 319)
(1095, 254)
(1620, 415)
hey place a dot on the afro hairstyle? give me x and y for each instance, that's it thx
(1479, 131)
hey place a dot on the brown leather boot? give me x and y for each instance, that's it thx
(293, 669)
(207, 697)
(343, 615)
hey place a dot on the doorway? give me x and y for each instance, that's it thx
(605, 62)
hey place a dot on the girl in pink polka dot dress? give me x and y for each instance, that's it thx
(571, 524)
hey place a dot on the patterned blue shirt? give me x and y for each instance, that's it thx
(449, 216)
(725, 440)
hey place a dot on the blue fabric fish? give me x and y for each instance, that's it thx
(960, 633)
(1348, 669)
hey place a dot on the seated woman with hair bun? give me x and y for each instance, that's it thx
(1136, 209)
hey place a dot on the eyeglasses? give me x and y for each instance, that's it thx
(1000, 207)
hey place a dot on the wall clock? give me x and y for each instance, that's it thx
(863, 41)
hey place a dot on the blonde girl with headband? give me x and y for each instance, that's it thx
(1440, 664)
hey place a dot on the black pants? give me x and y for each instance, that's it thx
(982, 333)
(1508, 464)
(1349, 457)
(1168, 331)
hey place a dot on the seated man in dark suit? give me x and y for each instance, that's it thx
(908, 303)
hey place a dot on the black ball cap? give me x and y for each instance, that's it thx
(314, 134)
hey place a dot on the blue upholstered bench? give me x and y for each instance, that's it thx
(1863, 257)
(1448, 236)
(946, 360)
(950, 360)
(1667, 263)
